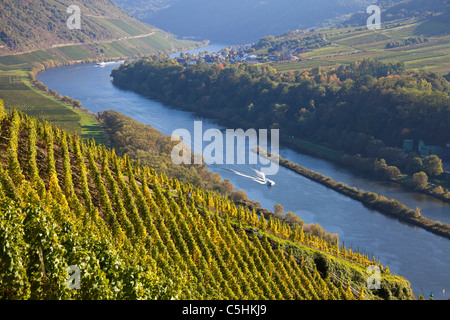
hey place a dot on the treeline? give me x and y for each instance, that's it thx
(313, 41)
(368, 107)
(53, 93)
(134, 234)
(373, 99)
(406, 42)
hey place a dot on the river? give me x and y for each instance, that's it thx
(420, 256)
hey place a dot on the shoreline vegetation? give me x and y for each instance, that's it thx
(392, 208)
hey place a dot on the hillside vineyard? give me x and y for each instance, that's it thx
(135, 234)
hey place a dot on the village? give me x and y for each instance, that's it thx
(242, 54)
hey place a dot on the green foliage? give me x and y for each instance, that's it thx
(406, 42)
(420, 180)
(17, 95)
(313, 41)
(433, 165)
(13, 271)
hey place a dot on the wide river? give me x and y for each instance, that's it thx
(420, 256)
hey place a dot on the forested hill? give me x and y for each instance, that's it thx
(433, 16)
(237, 21)
(135, 234)
(347, 107)
(41, 24)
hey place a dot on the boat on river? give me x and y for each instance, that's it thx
(103, 63)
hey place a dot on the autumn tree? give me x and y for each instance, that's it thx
(420, 180)
(278, 210)
(433, 165)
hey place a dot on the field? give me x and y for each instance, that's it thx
(352, 44)
(75, 52)
(23, 60)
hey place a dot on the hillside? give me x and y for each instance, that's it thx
(419, 39)
(138, 235)
(434, 15)
(34, 37)
(237, 21)
(37, 25)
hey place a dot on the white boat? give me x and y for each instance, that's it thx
(103, 63)
(262, 176)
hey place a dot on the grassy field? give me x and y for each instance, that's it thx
(76, 52)
(351, 44)
(23, 60)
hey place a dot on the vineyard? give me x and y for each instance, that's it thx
(135, 234)
(17, 95)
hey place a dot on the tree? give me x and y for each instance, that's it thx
(293, 219)
(439, 190)
(392, 172)
(447, 76)
(262, 222)
(227, 187)
(433, 165)
(278, 210)
(420, 180)
(238, 195)
(414, 164)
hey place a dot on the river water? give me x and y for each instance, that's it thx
(420, 256)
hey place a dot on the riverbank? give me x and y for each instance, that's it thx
(372, 200)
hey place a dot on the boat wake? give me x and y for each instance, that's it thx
(255, 175)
